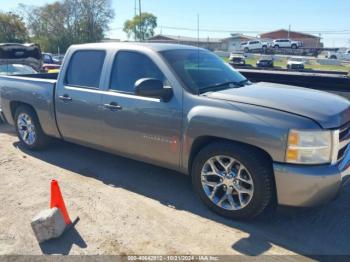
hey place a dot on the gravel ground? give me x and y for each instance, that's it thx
(128, 207)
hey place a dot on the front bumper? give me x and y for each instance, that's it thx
(305, 186)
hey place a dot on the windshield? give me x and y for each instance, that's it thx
(199, 69)
(16, 69)
(295, 59)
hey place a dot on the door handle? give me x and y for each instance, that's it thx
(113, 106)
(65, 98)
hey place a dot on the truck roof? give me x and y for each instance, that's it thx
(135, 45)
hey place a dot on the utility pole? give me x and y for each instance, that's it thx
(289, 32)
(198, 30)
(141, 31)
(135, 14)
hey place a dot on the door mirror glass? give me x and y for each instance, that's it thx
(151, 87)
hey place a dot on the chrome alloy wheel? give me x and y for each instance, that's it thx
(26, 128)
(227, 182)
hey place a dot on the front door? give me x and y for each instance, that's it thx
(141, 127)
(78, 98)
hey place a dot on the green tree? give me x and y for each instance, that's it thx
(12, 28)
(141, 28)
(67, 22)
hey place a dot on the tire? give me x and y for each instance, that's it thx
(256, 170)
(29, 130)
(276, 47)
(333, 57)
(294, 46)
(246, 49)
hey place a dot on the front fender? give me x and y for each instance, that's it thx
(264, 128)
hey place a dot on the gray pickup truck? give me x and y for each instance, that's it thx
(246, 146)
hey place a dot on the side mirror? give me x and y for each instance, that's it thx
(151, 87)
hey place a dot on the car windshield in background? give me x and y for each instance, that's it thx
(296, 59)
(200, 69)
(16, 69)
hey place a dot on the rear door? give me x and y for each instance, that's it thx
(286, 43)
(78, 97)
(253, 44)
(140, 127)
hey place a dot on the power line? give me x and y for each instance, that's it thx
(347, 31)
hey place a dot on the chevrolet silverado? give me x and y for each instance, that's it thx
(246, 146)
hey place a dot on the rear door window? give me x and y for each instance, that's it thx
(85, 69)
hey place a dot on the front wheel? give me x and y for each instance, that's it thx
(234, 180)
(29, 130)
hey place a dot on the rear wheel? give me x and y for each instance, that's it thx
(294, 46)
(246, 49)
(29, 130)
(233, 180)
(276, 46)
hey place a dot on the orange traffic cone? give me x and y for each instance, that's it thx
(57, 201)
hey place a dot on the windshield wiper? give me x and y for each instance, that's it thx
(222, 86)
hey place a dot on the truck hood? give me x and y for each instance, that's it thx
(328, 110)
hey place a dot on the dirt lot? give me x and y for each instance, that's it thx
(127, 207)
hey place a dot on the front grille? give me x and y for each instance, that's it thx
(344, 140)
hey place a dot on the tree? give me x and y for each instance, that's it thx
(141, 28)
(12, 28)
(67, 22)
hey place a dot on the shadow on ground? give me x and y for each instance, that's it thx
(63, 244)
(316, 231)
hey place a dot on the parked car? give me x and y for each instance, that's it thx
(254, 45)
(48, 67)
(50, 63)
(21, 54)
(16, 69)
(265, 61)
(19, 59)
(48, 58)
(237, 59)
(296, 63)
(286, 43)
(58, 59)
(246, 146)
(340, 54)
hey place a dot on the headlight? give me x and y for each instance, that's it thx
(309, 147)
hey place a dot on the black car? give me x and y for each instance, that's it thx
(20, 54)
(265, 63)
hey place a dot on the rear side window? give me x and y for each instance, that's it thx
(128, 67)
(85, 69)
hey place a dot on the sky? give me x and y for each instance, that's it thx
(329, 19)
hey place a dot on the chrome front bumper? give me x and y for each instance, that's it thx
(304, 186)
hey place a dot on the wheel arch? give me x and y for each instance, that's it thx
(16, 104)
(201, 142)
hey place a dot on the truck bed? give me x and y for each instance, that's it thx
(37, 90)
(51, 76)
